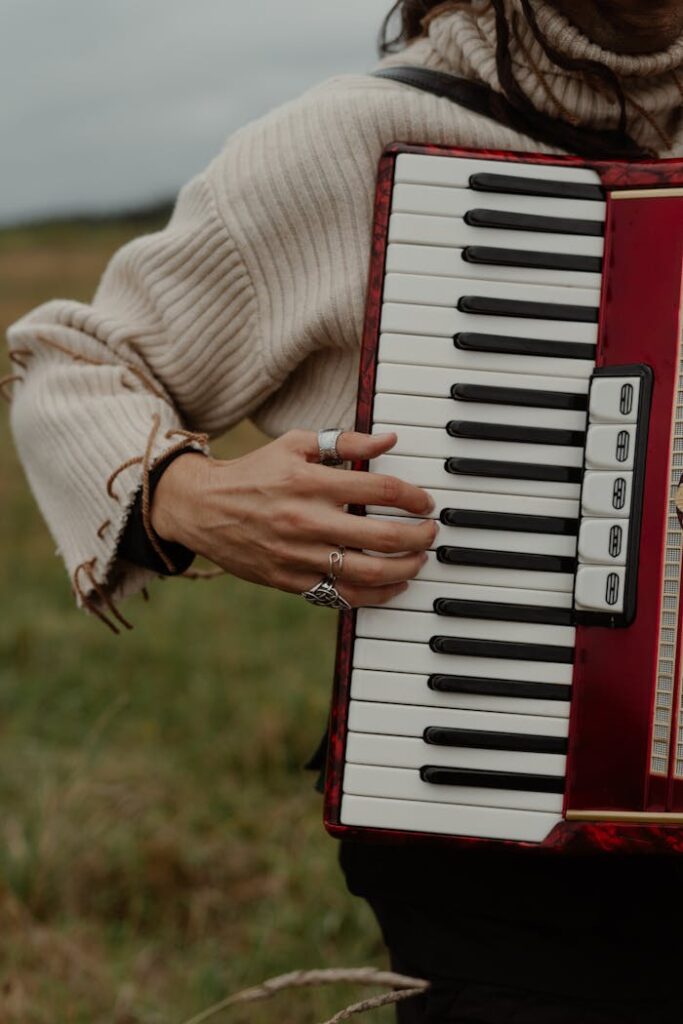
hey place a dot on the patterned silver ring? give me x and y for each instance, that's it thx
(327, 446)
(326, 595)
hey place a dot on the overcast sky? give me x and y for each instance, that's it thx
(112, 103)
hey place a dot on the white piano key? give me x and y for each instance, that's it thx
(606, 494)
(442, 201)
(411, 752)
(448, 262)
(431, 381)
(423, 169)
(420, 627)
(472, 822)
(435, 572)
(442, 321)
(390, 656)
(420, 596)
(430, 473)
(432, 443)
(406, 720)
(407, 688)
(402, 348)
(502, 540)
(406, 784)
(415, 410)
(447, 291)
(600, 588)
(615, 400)
(419, 229)
(610, 447)
(604, 541)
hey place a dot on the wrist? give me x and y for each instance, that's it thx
(175, 499)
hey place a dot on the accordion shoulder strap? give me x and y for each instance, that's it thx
(479, 98)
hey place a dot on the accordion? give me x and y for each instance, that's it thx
(523, 340)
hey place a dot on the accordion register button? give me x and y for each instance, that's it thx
(600, 588)
(603, 541)
(607, 494)
(610, 447)
(615, 400)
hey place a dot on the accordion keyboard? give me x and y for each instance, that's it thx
(461, 687)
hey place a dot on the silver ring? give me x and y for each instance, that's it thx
(327, 446)
(337, 561)
(326, 595)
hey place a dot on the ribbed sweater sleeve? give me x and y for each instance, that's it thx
(168, 345)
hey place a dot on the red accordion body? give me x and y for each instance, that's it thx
(560, 725)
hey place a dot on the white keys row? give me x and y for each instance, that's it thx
(413, 379)
(446, 490)
(445, 261)
(420, 596)
(456, 172)
(432, 443)
(412, 688)
(442, 201)
(404, 720)
(390, 656)
(419, 411)
(447, 291)
(420, 229)
(406, 348)
(416, 816)
(413, 752)
(420, 627)
(406, 784)
(435, 572)
(494, 485)
(443, 321)
(504, 540)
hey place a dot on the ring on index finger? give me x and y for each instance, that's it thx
(327, 446)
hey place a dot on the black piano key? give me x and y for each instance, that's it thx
(489, 256)
(495, 611)
(514, 470)
(507, 184)
(469, 341)
(480, 779)
(482, 305)
(501, 220)
(519, 396)
(550, 653)
(556, 526)
(523, 561)
(480, 740)
(521, 435)
(499, 687)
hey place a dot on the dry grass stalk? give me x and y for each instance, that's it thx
(404, 988)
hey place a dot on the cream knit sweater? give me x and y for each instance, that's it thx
(250, 303)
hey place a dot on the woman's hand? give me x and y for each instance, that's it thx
(274, 516)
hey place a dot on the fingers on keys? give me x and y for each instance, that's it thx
(374, 489)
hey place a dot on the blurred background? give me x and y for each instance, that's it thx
(160, 846)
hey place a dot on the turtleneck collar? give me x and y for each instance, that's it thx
(462, 40)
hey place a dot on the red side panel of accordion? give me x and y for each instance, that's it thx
(625, 759)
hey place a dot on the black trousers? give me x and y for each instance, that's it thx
(528, 940)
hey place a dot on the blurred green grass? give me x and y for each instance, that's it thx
(160, 846)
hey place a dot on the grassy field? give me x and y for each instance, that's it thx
(159, 844)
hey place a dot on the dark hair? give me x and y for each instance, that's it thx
(411, 15)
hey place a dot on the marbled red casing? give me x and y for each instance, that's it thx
(610, 737)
